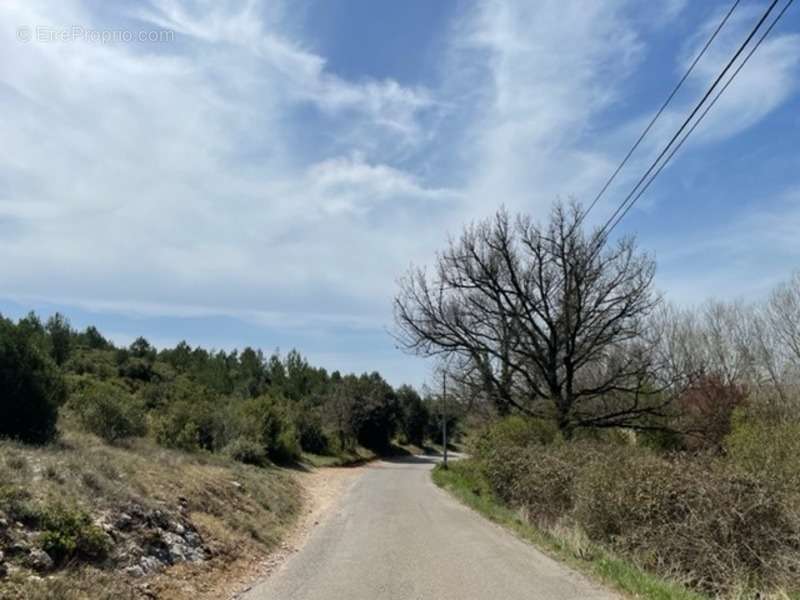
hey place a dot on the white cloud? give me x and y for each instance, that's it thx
(164, 178)
(763, 84)
(302, 73)
(548, 71)
(231, 172)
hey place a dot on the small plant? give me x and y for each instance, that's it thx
(16, 502)
(69, 533)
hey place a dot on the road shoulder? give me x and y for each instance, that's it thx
(322, 489)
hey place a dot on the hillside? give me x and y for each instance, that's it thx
(141, 472)
(81, 518)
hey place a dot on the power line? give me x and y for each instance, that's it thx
(702, 115)
(690, 117)
(660, 110)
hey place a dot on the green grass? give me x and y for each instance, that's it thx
(464, 481)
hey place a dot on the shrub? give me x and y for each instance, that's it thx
(17, 503)
(706, 410)
(770, 451)
(265, 421)
(108, 411)
(514, 432)
(32, 388)
(311, 435)
(696, 518)
(717, 524)
(246, 451)
(69, 533)
(190, 426)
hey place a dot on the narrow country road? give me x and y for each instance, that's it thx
(393, 535)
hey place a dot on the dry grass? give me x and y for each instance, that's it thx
(240, 512)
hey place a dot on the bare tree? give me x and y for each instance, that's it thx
(543, 319)
(783, 314)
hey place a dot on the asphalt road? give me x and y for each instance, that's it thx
(394, 535)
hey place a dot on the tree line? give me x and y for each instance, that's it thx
(253, 406)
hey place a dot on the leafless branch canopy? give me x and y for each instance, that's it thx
(540, 318)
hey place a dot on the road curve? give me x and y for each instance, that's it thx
(393, 535)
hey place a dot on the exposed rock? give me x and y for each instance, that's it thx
(159, 519)
(192, 539)
(17, 547)
(39, 560)
(150, 564)
(123, 522)
(135, 571)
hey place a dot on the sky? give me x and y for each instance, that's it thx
(261, 173)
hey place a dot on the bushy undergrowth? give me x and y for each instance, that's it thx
(31, 387)
(71, 499)
(108, 411)
(69, 532)
(717, 523)
(767, 450)
(246, 451)
(247, 405)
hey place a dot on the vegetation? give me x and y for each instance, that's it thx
(244, 404)
(33, 388)
(665, 437)
(717, 523)
(107, 514)
(131, 460)
(467, 482)
(541, 319)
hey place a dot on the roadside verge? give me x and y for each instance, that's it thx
(462, 482)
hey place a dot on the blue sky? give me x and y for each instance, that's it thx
(265, 175)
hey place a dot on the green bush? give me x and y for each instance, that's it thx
(190, 426)
(31, 387)
(514, 432)
(311, 435)
(264, 420)
(247, 451)
(108, 411)
(69, 533)
(768, 450)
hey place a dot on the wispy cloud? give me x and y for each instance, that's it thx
(234, 172)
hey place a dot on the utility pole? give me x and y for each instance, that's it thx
(444, 417)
